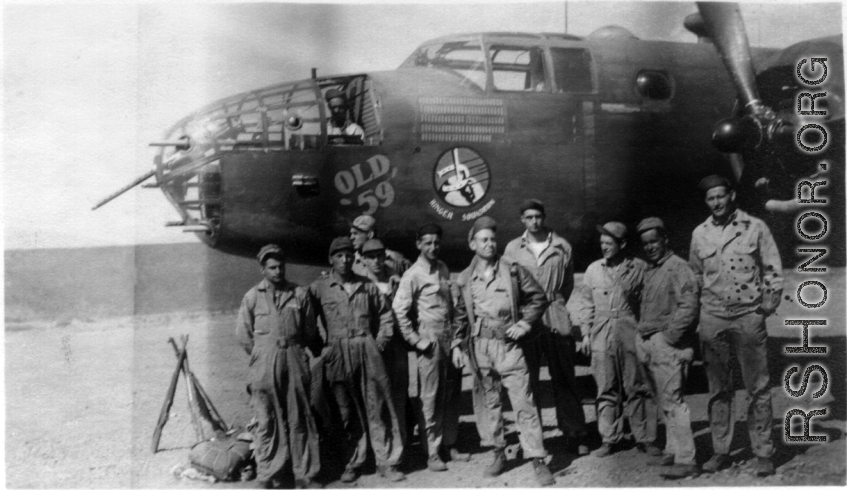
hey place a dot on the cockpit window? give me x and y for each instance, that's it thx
(464, 58)
(518, 69)
(572, 69)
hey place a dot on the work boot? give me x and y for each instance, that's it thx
(542, 472)
(498, 465)
(349, 475)
(680, 471)
(455, 455)
(306, 483)
(716, 463)
(649, 448)
(763, 466)
(604, 450)
(390, 473)
(665, 460)
(434, 463)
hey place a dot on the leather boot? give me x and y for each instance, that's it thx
(390, 473)
(455, 455)
(498, 465)
(542, 472)
(764, 466)
(715, 463)
(434, 463)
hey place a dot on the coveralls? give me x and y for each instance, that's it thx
(739, 270)
(395, 355)
(553, 269)
(426, 310)
(608, 302)
(274, 331)
(355, 323)
(669, 307)
(497, 360)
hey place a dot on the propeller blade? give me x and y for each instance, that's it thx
(725, 27)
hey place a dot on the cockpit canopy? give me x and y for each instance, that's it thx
(510, 62)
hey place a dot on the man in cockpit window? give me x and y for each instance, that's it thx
(339, 121)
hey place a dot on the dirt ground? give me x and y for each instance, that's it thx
(83, 397)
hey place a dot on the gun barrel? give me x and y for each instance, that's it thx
(125, 188)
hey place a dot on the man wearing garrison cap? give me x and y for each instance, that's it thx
(429, 311)
(339, 121)
(549, 258)
(606, 305)
(275, 324)
(669, 305)
(739, 271)
(363, 229)
(503, 302)
(359, 325)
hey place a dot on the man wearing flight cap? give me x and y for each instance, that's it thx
(739, 271)
(395, 355)
(363, 229)
(548, 257)
(429, 311)
(275, 324)
(606, 305)
(669, 306)
(339, 121)
(503, 302)
(359, 325)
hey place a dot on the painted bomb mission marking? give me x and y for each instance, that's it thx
(806, 290)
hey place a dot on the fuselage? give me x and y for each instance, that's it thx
(602, 128)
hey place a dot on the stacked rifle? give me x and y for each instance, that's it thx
(199, 403)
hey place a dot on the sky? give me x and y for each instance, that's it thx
(86, 87)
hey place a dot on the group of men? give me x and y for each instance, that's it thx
(375, 318)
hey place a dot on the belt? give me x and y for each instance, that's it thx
(347, 334)
(493, 333)
(493, 329)
(281, 343)
(493, 323)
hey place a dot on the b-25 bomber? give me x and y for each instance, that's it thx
(600, 127)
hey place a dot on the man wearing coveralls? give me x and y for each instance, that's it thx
(669, 306)
(359, 325)
(395, 355)
(549, 259)
(275, 324)
(428, 317)
(737, 265)
(607, 306)
(500, 313)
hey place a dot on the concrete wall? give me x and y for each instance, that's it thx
(115, 281)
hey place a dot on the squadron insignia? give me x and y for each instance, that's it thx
(461, 177)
